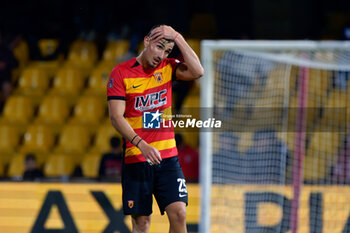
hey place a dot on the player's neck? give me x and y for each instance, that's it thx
(143, 62)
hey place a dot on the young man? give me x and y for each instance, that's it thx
(139, 90)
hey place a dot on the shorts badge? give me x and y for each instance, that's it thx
(131, 204)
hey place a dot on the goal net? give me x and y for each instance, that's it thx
(281, 160)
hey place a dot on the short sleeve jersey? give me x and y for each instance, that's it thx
(147, 93)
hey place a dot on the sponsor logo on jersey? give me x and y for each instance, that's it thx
(158, 77)
(151, 101)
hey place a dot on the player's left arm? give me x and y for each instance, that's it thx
(191, 68)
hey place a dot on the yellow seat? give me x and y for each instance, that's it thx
(91, 164)
(88, 111)
(21, 52)
(191, 106)
(83, 51)
(59, 165)
(74, 140)
(50, 67)
(83, 55)
(68, 83)
(53, 111)
(18, 111)
(2, 169)
(321, 153)
(38, 139)
(203, 25)
(195, 44)
(336, 111)
(16, 167)
(97, 82)
(33, 83)
(48, 46)
(102, 138)
(9, 139)
(115, 49)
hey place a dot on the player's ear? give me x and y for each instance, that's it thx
(146, 41)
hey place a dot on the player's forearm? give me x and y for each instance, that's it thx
(124, 128)
(190, 57)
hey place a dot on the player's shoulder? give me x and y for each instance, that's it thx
(172, 60)
(124, 67)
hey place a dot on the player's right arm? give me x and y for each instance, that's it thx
(116, 114)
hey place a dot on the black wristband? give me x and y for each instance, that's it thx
(133, 138)
(138, 143)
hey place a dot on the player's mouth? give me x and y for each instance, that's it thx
(156, 61)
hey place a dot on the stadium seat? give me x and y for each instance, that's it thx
(83, 51)
(48, 46)
(203, 25)
(68, 83)
(59, 164)
(91, 164)
(321, 154)
(21, 52)
(83, 55)
(33, 83)
(18, 111)
(50, 67)
(195, 44)
(88, 111)
(115, 49)
(38, 139)
(2, 169)
(73, 140)
(336, 110)
(191, 106)
(97, 82)
(102, 137)
(53, 111)
(9, 141)
(16, 167)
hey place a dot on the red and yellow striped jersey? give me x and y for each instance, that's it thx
(145, 91)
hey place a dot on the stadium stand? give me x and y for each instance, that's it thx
(58, 165)
(33, 84)
(88, 111)
(16, 167)
(38, 139)
(53, 111)
(18, 111)
(90, 165)
(68, 83)
(103, 134)
(115, 49)
(73, 140)
(9, 141)
(47, 46)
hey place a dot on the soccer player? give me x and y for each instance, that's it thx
(139, 92)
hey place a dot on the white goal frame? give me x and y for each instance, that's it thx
(206, 98)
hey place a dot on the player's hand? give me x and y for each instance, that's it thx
(163, 31)
(150, 153)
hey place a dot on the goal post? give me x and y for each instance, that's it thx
(284, 108)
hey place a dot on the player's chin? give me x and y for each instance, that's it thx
(153, 64)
